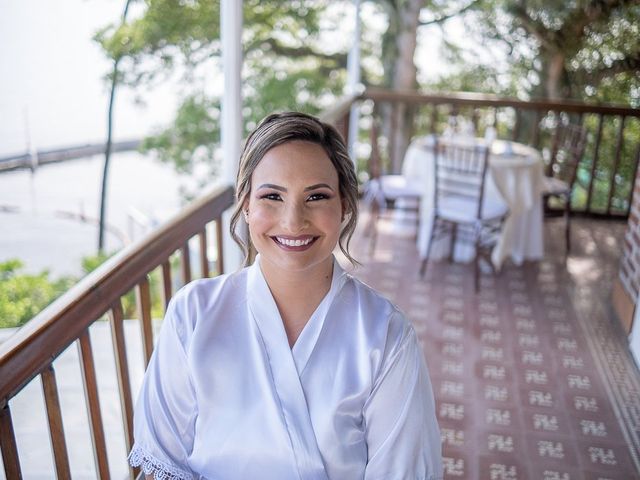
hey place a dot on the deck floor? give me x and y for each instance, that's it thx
(533, 377)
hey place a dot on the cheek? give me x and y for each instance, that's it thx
(331, 219)
(260, 218)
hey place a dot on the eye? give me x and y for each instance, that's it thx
(318, 196)
(271, 196)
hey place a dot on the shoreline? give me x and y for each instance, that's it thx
(33, 159)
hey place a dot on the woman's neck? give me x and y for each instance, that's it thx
(297, 294)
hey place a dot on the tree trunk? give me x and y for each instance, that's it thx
(554, 76)
(107, 147)
(404, 74)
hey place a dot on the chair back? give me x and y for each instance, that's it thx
(460, 172)
(569, 143)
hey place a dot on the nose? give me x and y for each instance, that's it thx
(294, 218)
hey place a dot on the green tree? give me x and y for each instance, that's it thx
(289, 64)
(585, 49)
(129, 306)
(23, 296)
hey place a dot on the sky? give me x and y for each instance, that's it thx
(52, 77)
(52, 87)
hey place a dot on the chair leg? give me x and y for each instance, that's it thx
(373, 226)
(423, 267)
(476, 273)
(374, 237)
(454, 234)
(567, 219)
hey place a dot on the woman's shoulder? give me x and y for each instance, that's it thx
(204, 298)
(369, 298)
(209, 288)
(379, 312)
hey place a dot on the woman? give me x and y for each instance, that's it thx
(290, 368)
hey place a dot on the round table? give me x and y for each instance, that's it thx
(515, 177)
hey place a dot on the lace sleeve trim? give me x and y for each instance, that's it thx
(150, 465)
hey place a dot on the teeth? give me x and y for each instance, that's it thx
(294, 243)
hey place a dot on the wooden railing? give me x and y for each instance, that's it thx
(33, 349)
(608, 169)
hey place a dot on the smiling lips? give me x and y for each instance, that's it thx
(296, 244)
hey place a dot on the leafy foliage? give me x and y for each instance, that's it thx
(586, 49)
(295, 54)
(129, 306)
(288, 65)
(193, 136)
(23, 296)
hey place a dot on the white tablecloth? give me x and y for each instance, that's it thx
(516, 172)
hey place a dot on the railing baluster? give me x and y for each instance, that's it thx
(10, 458)
(434, 119)
(143, 301)
(56, 428)
(616, 163)
(633, 180)
(494, 118)
(391, 140)
(204, 260)
(516, 125)
(343, 126)
(90, 383)
(116, 318)
(185, 263)
(596, 155)
(555, 144)
(535, 137)
(166, 282)
(219, 245)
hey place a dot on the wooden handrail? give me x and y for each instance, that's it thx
(339, 110)
(489, 100)
(32, 348)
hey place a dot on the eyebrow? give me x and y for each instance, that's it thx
(283, 189)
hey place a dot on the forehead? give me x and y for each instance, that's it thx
(296, 161)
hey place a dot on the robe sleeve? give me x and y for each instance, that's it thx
(166, 410)
(401, 429)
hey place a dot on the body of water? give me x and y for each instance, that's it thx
(41, 213)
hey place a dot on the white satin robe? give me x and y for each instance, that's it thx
(225, 397)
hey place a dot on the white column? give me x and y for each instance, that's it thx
(231, 127)
(353, 81)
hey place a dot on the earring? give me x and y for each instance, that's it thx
(246, 213)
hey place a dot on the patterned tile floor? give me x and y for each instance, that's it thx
(532, 376)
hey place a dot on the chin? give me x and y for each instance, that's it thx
(298, 265)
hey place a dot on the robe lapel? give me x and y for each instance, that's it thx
(285, 377)
(308, 338)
